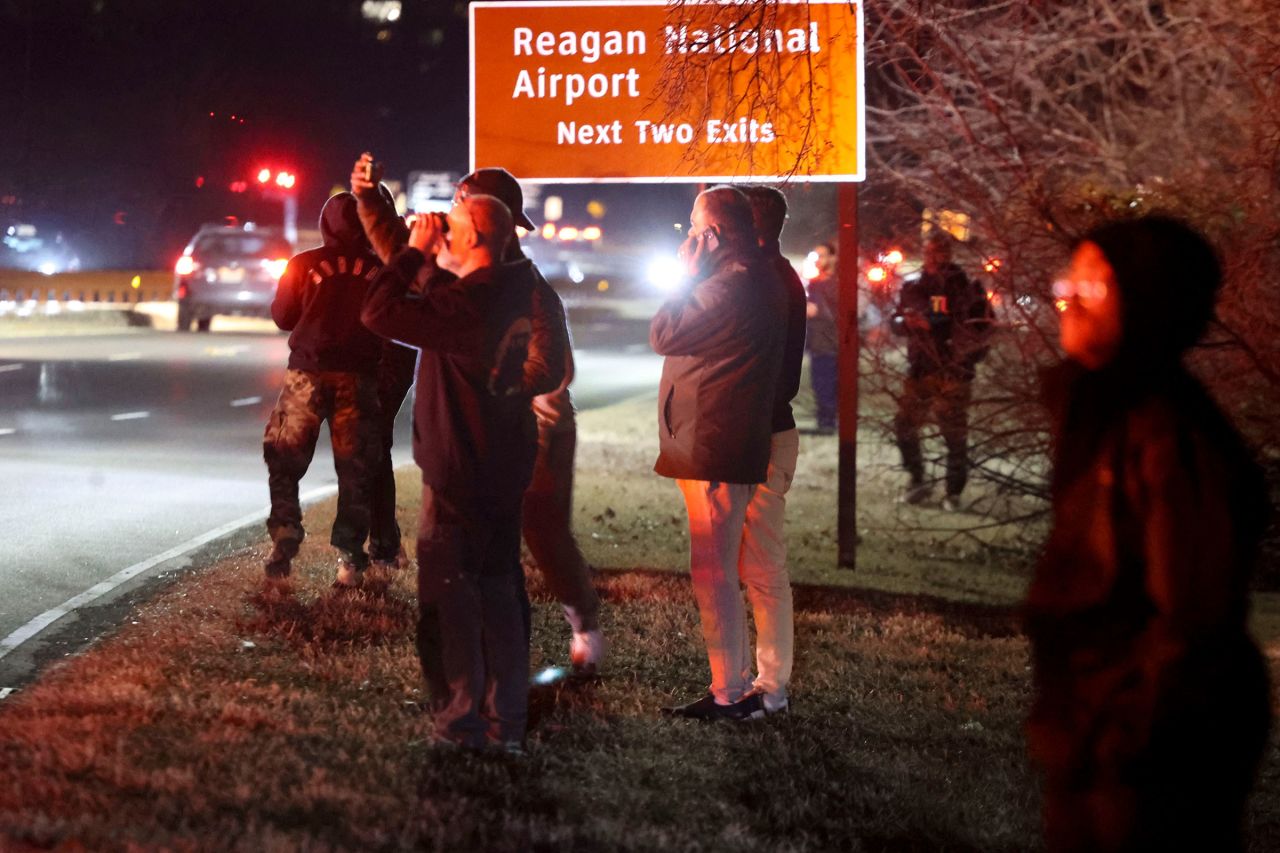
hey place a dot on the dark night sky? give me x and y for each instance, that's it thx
(107, 109)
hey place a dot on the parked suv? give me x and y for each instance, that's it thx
(228, 270)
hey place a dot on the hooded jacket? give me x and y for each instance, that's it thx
(319, 297)
(474, 435)
(723, 340)
(1137, 611)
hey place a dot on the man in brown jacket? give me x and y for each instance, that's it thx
(723, 339)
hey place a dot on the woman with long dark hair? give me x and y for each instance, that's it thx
(1151, 701)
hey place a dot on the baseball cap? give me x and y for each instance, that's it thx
(503, 186)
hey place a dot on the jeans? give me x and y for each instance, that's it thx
(948, 399)
(473, 620)
(548, 531)
(395, 377)
(824, 376)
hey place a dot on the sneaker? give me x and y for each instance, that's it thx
(705, 708)
(749, 707)
(769, 706)
(399, 561)
(951, 503)
(586, 652)
(509, 748)
(280, 560)
(350, 576)
(916, 493)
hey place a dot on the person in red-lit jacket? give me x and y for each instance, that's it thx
(333, 362)
(1151, 702)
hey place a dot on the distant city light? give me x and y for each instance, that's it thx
(592, 232)
(548, 231)
(264, 175)
(381, 11)
(893, 257)
(876, 274)
(48, 268)
(568, 233)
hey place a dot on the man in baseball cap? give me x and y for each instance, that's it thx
(500, 184)
(548, 505)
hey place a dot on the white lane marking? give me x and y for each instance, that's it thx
(125, 356)
(130, 416)
(44, 620)
(7, 431)
(226, 351)
(9, 368)
(246, 401)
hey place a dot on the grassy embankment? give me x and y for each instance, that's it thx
(223, 719)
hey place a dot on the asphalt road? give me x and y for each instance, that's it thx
(116, 448)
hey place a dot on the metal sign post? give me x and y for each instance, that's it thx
(847, 371)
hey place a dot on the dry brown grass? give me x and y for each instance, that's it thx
(228, 718)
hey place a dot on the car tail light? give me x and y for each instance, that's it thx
(276, 267)
(186, 265)
(182, 291)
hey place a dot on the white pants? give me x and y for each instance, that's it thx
(735, 539)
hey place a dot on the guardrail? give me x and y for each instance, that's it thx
(28, 292)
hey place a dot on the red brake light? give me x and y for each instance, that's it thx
(186, 265)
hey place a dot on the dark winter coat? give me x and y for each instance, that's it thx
(1143, 667)
(960, 323)
(550, 357)
(793, 346)
(473, 430)
(320, 295)
(723, 341)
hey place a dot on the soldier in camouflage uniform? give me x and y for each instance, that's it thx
(332, 375)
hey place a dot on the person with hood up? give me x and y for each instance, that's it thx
(475, 440)
(333, 362)
(1151, 702)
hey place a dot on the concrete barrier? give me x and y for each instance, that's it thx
(21, 290)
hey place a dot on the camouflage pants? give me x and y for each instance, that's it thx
(349, 402)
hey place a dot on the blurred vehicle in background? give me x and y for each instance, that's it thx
(228, 269)
(23, 246)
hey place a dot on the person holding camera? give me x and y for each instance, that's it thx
(475, 440)
(333, 362)
(548, 504)
(723, 338)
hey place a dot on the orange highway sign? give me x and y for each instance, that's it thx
(641, 90)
